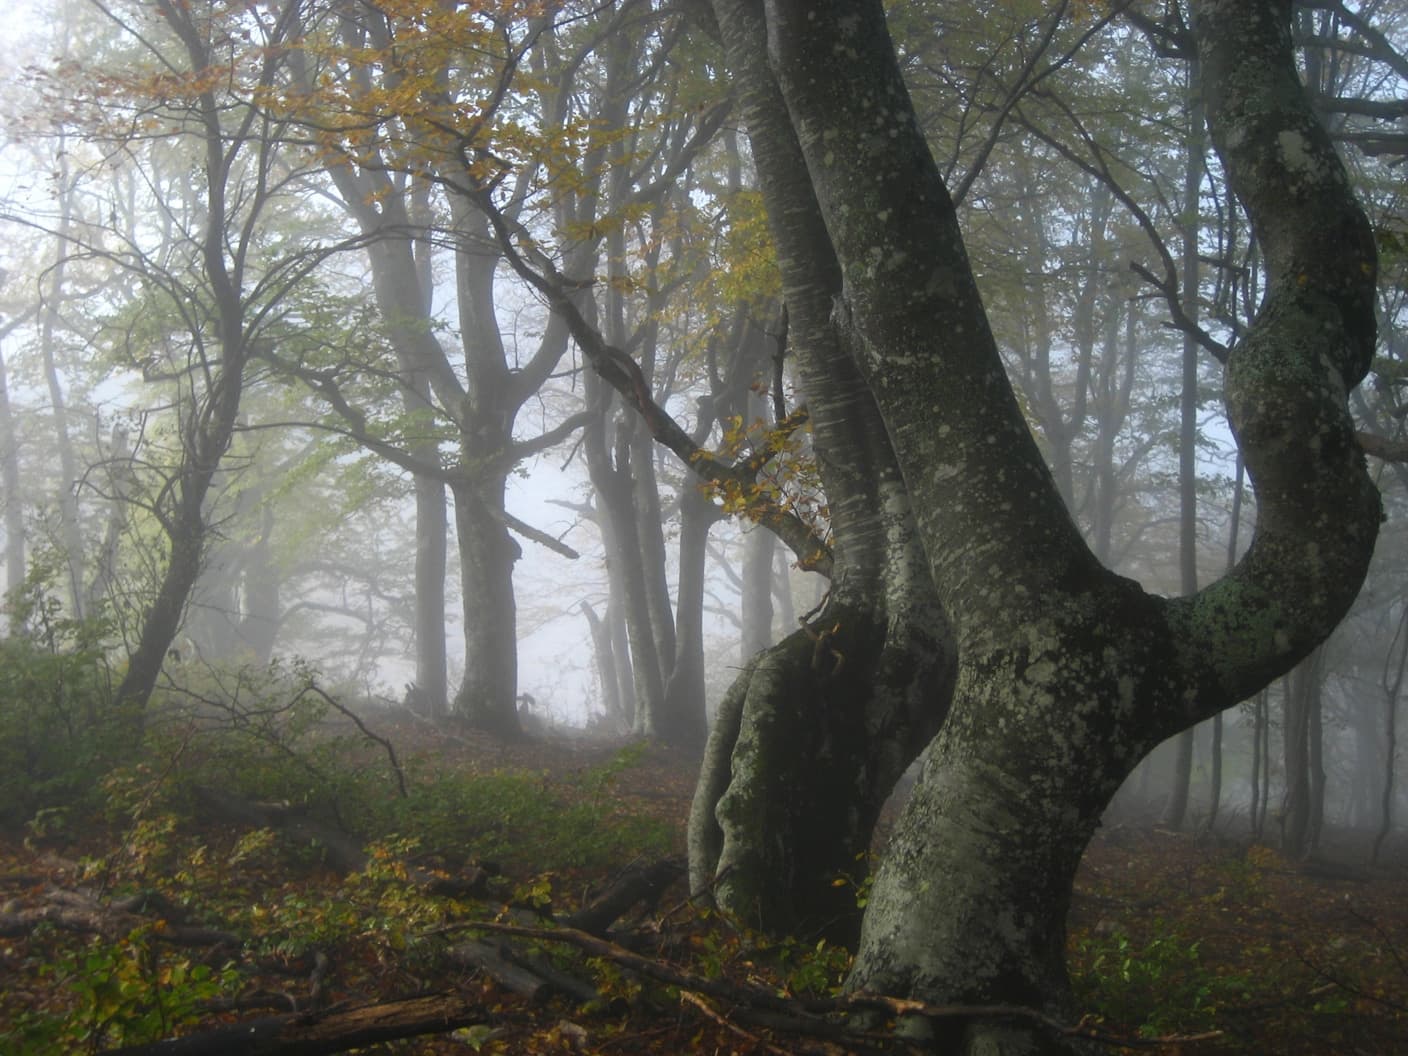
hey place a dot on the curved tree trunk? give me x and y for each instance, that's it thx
(813, 735)
(806, 748)
(1067, 673)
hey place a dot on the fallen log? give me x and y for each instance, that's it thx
(81, 912)
(342, 851)
(642, 884)
(317, 1033)
(513, 977)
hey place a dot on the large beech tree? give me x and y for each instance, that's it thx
(1064, 674)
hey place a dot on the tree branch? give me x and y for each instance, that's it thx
(624, 375)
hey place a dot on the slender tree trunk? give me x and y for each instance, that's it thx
(1316, 756)
(1264, 700)
(782, 590)
(1364, 771)
(70, 531)
(611, 477)
(650, 536)
(683, 722)
(1116, 381)
(10, 482)
(756, 604)
(1235, 522)
(621, 649)
(432, 528)
(259, 611)
(119, 483)
(758, 546)
(1258, 734)
(1393, 685)
(1295, 804)
(605, 669)
(1177, 807)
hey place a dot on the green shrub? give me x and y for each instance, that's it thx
(1158, 986)
(132, 990)
(58, 732)
(518, 820)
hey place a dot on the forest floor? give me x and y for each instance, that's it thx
(159, 920)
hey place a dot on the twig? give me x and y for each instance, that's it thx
(313, 687)
(690, 997)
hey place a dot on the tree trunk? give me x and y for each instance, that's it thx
(625, 668)
(1392, 682)
(259, 608)
(811, 738)
(205, 440)
(10, 482)
(650, 537)
(682, 721)
(119, 481)
(758, 546)
(432, 559)
(1259, 733)
(794, 775)
(1177, 807)
(1068, 674)
(605, 658)
(487, 698)
(70, 531)
(756, 603)
(1315, 757)
(1234, 532)
(1215, 776)
(1295, 804)
(610, 475)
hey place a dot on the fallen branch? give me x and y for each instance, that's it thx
(691, 998)
(804, 1014)
(316, 1033)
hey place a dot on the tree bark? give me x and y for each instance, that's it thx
(487, 698)
(810, 740)
(604, 655)
(1177, 807)
(209, 417)
(1392, 686)
(682, 722)
(1068, 674)
(10, 482)
(1302, 810)
(70, 530)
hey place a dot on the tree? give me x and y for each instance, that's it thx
(1067, 674)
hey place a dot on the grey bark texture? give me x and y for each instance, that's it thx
(1067, 674)
(10, 488)
(812, 737)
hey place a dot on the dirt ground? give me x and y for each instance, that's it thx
(1212, 938)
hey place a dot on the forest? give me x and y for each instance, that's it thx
(724, 526)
